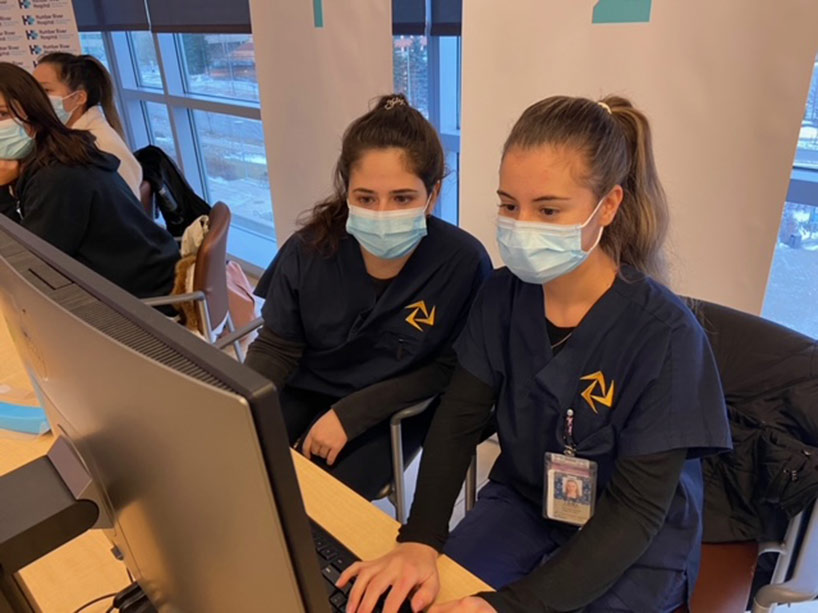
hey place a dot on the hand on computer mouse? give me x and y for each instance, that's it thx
(472, 604)
(408, 566)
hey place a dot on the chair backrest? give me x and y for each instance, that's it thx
(210, 274)
(755, 358)
(146, 198)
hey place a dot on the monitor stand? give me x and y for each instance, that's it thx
(40, 510)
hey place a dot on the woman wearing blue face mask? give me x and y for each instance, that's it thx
(58, 185)
(364, 302)
(82, 93)
(604, 389)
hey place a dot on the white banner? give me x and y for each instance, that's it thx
(31, 28)
(723, 82)
(320, 64)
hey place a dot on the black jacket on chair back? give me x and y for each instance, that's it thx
(770, 378)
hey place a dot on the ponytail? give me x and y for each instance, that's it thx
(87, 73)
(638, 231)
(615, 139)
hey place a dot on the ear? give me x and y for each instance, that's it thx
(434, 197)
(82, 98)
(610, 205)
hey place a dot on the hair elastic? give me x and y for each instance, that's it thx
(393, 102)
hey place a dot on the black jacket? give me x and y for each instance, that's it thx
(770, 379)
(90, 213)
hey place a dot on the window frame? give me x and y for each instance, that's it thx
(180, 104)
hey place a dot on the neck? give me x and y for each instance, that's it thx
(569, 298)
(381, 268)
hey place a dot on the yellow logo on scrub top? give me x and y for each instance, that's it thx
(420, 309)
(607, 392)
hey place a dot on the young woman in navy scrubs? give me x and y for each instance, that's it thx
(364, 303)
(598, 375)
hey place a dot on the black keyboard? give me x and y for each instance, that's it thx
(333, 559)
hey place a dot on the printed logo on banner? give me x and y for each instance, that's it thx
(28, 20)
(24, 4)
(35, 49)
(318, 13)
(622, 11)
(32, 34)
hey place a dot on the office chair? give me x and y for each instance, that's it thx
(209, 294)
(395, 490)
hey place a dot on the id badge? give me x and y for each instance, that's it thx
(570, 488)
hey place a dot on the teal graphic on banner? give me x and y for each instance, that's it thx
(622, 11)
(318, 13)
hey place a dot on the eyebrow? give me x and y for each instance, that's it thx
(546, 198)
(405, 190)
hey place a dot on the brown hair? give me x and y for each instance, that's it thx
(87, 73)
(29, 104)
(392, 123)
(615, 139)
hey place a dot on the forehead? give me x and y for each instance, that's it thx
(46, 72)
(547, 166)
(383, 165)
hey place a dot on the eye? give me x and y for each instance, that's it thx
(365, 200)
(508, 208)
(404, 199)
(548, 211)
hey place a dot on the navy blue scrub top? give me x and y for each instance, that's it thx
(639, 374)
(353, 339)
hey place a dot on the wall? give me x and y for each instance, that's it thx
(313, 82)
(724, 84)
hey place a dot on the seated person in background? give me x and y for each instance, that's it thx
(82, 93)
(58, 185)
(365, 301)
(598, 374)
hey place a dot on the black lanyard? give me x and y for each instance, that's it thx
(568, 433)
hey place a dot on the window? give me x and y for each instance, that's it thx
(221, 65)
(196, 97)
(806, 156)
(410, 66)
(427, 71)
(792, 290)
(158, 123)
(235, 167)
(145, 59)
(93, 44)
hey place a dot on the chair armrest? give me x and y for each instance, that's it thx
(236, 335)
(174, 299)
(803, 585)
(415, 409)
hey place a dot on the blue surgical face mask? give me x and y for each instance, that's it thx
(59, 107)
(538, 252)
(387, 234)
(15, 143)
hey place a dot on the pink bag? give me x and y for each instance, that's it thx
(242, 303)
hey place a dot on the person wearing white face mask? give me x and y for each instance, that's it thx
(82, 93)
(592, 372)
(56, 184)
(364, 302)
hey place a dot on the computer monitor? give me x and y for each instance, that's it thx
(186, 446)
